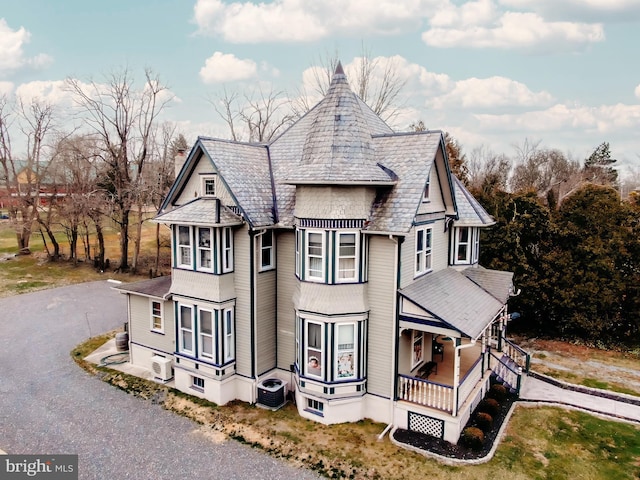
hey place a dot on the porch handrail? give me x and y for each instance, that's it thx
(524, 359)
(424, 392)
(506, 372)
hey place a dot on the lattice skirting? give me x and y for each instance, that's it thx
(427, 425)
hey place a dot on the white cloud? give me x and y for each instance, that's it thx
(514, 30)
(226, 67)
(490, 93)
(590, 10)
(306, 20)
(52, 92)
(603, 119)
(12, 56)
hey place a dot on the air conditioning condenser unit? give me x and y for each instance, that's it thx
(162, 368)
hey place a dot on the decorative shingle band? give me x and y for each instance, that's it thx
(328, 223)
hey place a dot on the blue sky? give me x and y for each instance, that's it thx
(491, 72)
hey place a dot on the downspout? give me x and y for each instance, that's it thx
(254, 316)
(394, 344)
(456, 373)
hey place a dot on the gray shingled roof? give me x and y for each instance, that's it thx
(156, 287)
(410, 157)
(497, 283)
(338, 147)
(470, 212)
(452, 297)
(246, 171)
(205, 211)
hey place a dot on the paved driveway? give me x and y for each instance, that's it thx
(48, 405)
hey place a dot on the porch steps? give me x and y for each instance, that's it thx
(503, 369)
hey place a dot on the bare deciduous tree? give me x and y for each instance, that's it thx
(123, 118)
(23, 177)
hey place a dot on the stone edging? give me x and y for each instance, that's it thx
(460, 461)
(620, 397)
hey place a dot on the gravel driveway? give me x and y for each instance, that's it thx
(48, 405)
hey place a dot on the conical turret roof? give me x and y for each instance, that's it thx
(338, 147)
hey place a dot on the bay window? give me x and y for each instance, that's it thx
(462, 244)
(184, 246)
(315, 256)
(229, 334)
(205, 249)
(185, 330)
(347, 257)
(207, 344)
(227, 249)
(313, 349)
(345, 351)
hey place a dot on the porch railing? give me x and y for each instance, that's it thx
(509, 374)
(470, 381)
(424, 392)
(517, 354)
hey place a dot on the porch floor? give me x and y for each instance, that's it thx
(468, 357)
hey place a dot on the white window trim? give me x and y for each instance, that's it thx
(205, 180)
(153, 316)
(355, 256)
(426, 191)
(226, 250)
(228, 334)
(199, 249)
(476, 245)
(339, 352)
(195, 383)
(182, 330)
(307, 256)
(458, 243)
(180, 246)
(423, 261)
(298, 244)
(417, 357)
(269, 248)
(211, 335)
(307, 357)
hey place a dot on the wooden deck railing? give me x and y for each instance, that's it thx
(424, 392)
(517, 354)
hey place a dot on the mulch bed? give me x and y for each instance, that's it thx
(450, 450)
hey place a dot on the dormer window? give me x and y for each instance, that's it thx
(209, 186)
(425, 191)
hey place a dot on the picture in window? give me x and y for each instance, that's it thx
(417, 348)
(314, 349)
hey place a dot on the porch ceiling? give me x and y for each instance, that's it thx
(454, 299)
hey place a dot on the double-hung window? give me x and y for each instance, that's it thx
(476, 245)
(266, 250)
(156, 316)
(315, 256)
(347, 257)
(227, 249)
(423, 250)
(184, 246)
(298, 246)
(185, 332)
(229, 334)
(206, 338)
(209, 186)
(205, 249)
(463, 244)
(345, 351)
(314, 358)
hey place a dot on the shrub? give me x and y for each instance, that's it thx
(490, 406)
(497, 391)
(484, 421)
(473, 438)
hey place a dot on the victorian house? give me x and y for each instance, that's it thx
(337, 267)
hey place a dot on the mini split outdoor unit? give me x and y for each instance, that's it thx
(272, 393)
(162, 368)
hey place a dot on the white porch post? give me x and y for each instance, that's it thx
(456, 376)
